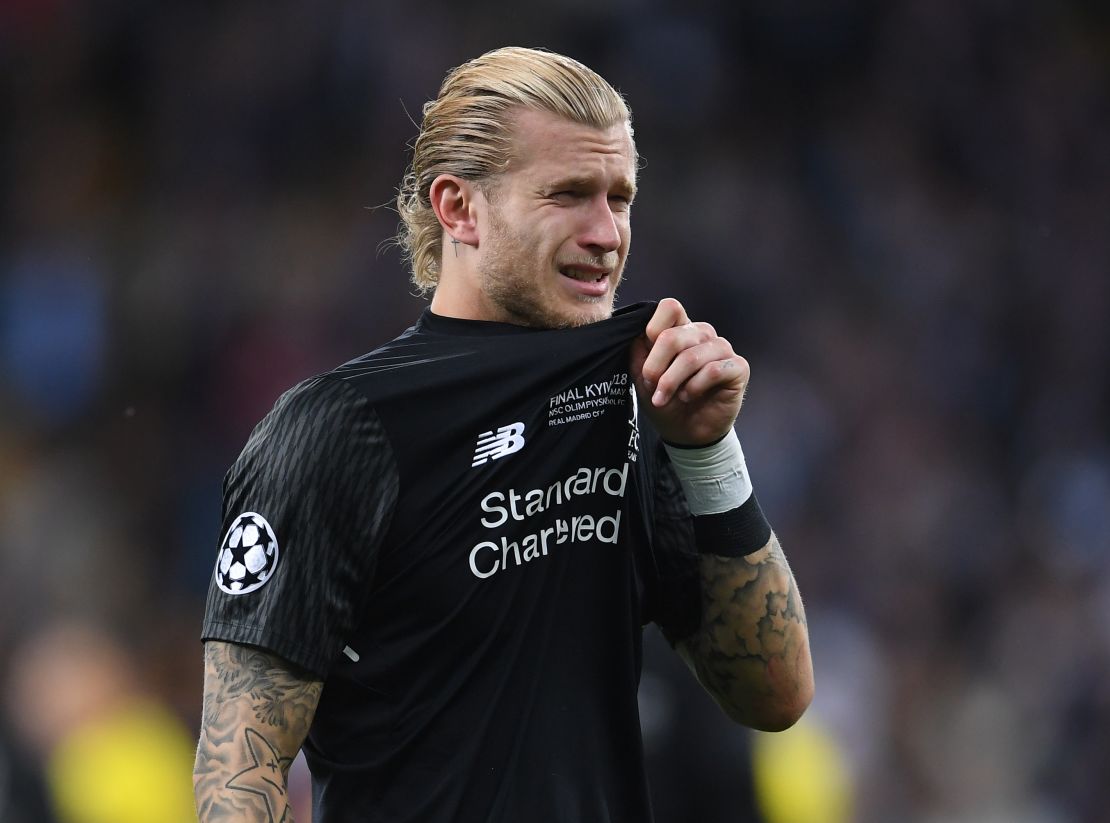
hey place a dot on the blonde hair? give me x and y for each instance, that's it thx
(467, 131)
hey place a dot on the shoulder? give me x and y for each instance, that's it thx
(338, 410)
(321, 393)
(320, 434)
(312, 404)
(413, 362)
(321, 397)
(315, 422)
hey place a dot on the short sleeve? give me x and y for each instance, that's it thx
(678, 613)
(305, 509)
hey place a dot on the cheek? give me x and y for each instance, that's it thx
(626, 236)
(551, 241)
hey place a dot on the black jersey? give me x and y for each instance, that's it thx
(463, 532)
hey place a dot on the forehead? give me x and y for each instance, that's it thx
(548, 145)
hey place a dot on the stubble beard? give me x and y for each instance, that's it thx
(508, 280)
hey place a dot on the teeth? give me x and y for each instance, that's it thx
(586, 277)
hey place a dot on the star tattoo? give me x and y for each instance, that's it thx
(266, 778)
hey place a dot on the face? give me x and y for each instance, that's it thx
(556, 228)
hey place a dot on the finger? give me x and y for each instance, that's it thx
(731, 373)
(668, 313)
(670, 343)
(686, 364)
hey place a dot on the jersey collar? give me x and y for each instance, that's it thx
(433, 323)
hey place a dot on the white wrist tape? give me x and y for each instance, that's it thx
(714, 478)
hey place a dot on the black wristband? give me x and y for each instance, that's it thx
(735, 533)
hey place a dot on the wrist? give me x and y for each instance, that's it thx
(714, 477)
(728, 520)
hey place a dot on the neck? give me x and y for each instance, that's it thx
(458, 293)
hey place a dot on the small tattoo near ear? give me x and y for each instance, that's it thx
(455, 243)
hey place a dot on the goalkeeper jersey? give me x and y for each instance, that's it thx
(463, 533)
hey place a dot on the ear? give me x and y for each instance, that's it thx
(453, 201)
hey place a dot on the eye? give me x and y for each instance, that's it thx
(620, 202)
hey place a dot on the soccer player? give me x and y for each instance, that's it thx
(437, 559)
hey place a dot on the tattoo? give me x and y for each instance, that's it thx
(752, 649)
(277, 698)
(257, 711)
(265, 776)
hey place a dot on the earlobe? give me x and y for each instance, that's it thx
(453, 202)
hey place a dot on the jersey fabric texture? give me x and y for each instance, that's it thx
(472, 525)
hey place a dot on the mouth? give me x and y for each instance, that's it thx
(586, 281)
(585, 274)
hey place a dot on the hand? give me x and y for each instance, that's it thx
(690, 381)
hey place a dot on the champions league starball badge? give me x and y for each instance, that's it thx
(248, 555)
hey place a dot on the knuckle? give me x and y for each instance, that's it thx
(670, 336)
(720, 348)
(705, 331)
(690, 358)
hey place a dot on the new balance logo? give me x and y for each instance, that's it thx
(492, 445)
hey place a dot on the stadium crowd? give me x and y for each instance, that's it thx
(898, 212)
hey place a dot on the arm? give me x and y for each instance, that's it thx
(257, 710)
(751, 651)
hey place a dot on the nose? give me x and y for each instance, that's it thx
(600, 233)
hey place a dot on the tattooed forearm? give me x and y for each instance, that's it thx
(752, 649)
(257, 710)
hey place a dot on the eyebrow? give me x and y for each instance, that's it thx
(623, 185)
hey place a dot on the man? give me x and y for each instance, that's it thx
(438, 558)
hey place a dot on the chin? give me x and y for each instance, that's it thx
(558, 313)
(589, 310)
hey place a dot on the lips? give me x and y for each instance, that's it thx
(586, 281)
(585, 274)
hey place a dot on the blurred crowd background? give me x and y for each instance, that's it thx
(898, 211)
